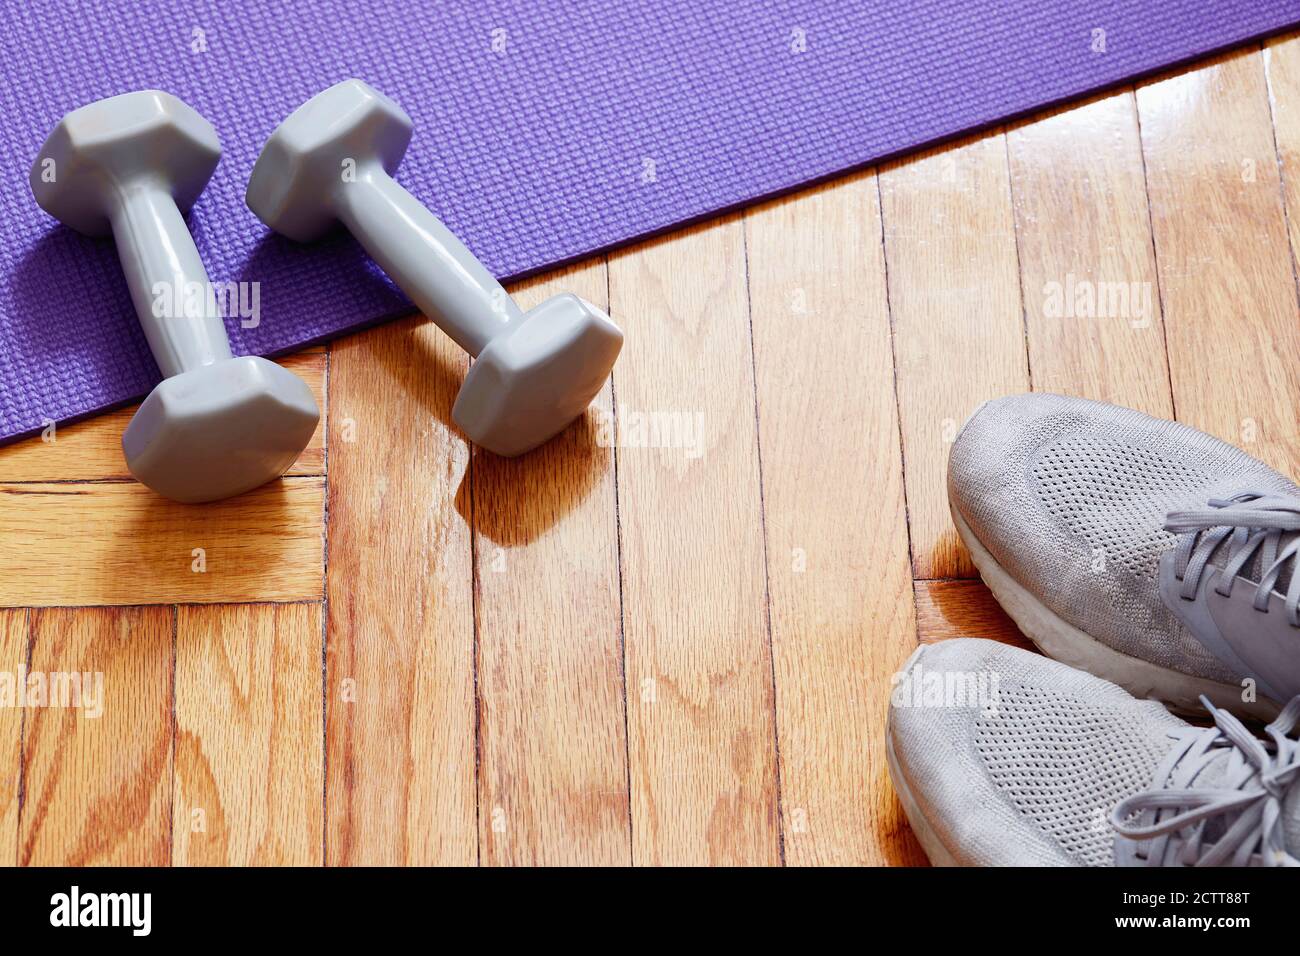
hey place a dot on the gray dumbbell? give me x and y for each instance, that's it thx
(217, 425)
(332, 160)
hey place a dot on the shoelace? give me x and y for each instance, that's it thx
(1249, 521)
(1248, 803)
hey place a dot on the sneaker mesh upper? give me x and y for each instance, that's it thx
(1029, 773)
(1063, 762)
(1109, 491)
(1069, 496)
(1030, 781)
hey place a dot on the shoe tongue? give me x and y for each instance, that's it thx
(1253, 570)
(1210, 776)
(1213, 774)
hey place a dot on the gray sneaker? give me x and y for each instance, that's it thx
(1001, 757)
(1138, 549)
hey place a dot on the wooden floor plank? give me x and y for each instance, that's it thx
(963, 608)
(97, 787)
(400, 747)
(1282, 72)
(955, 302)
(1092, 306)
(700, 700)
(13, 661)
(92, 450)
(838, 565)
(1224, 261)
(78, 544)
(249, 750)
(552, 753)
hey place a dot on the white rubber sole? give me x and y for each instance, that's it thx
(1064, 642)
(935, 850)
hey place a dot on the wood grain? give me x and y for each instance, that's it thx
(1282, 72)
(92, 449)
(955, 302)
(700, 699)
(552, 752)
(1222, 250)
(838, 566)
(1092, 304)
(97, 789)
(963, 608)
(119, 543)
(400, 748)
(13, 659)
(249, 757)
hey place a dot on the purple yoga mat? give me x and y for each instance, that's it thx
(544, 131)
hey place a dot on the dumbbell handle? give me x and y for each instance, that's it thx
(161, 265)
(427, 262)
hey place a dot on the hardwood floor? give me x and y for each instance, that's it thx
(667, 637)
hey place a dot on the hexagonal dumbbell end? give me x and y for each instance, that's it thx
(216, 426)
(333, 136)
(538, 375)
(220, 430)
(111, 142)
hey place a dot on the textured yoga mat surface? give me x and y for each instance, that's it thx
(543, 131)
